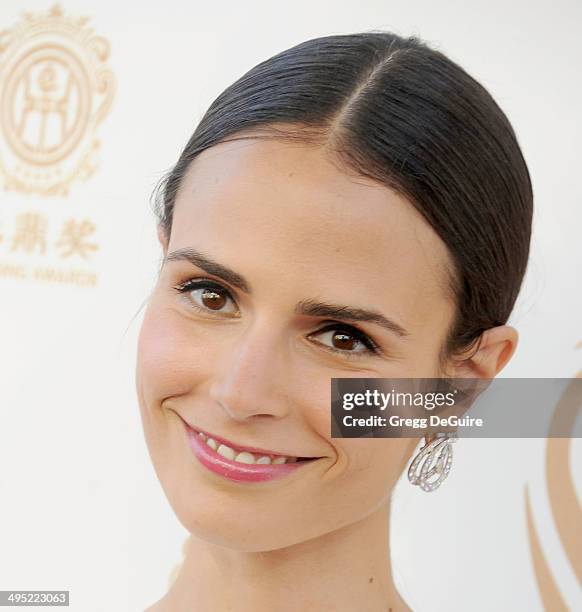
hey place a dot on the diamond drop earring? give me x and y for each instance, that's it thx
(433, 463)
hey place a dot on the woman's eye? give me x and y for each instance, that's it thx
(347, 340)
(208, 297)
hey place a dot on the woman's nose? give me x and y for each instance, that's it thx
(252, 378)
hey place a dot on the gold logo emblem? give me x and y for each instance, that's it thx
(55, 89)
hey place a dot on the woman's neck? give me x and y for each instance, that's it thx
(345, 570)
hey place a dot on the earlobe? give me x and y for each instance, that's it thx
(497, 346)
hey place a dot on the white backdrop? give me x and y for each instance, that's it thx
(80, 506)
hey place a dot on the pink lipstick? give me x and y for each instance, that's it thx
(236, 470)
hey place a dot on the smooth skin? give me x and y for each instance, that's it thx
(295, 226)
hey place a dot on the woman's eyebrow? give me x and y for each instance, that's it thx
(349, 313)
(199, 260)
(305, 307)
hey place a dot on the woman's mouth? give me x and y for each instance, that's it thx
(240, 464)
(244, 456)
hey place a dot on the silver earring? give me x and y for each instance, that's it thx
(433, 463)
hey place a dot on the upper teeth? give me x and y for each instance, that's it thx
(244, 456)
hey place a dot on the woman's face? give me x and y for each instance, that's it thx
(247, 354)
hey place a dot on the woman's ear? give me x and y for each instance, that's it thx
(163, 239)
(497, 346)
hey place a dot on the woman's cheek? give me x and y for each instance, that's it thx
(310, 390)
(170, 359)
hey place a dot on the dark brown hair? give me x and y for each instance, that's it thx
(394, 110)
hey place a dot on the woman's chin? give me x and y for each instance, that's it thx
(237, 534)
